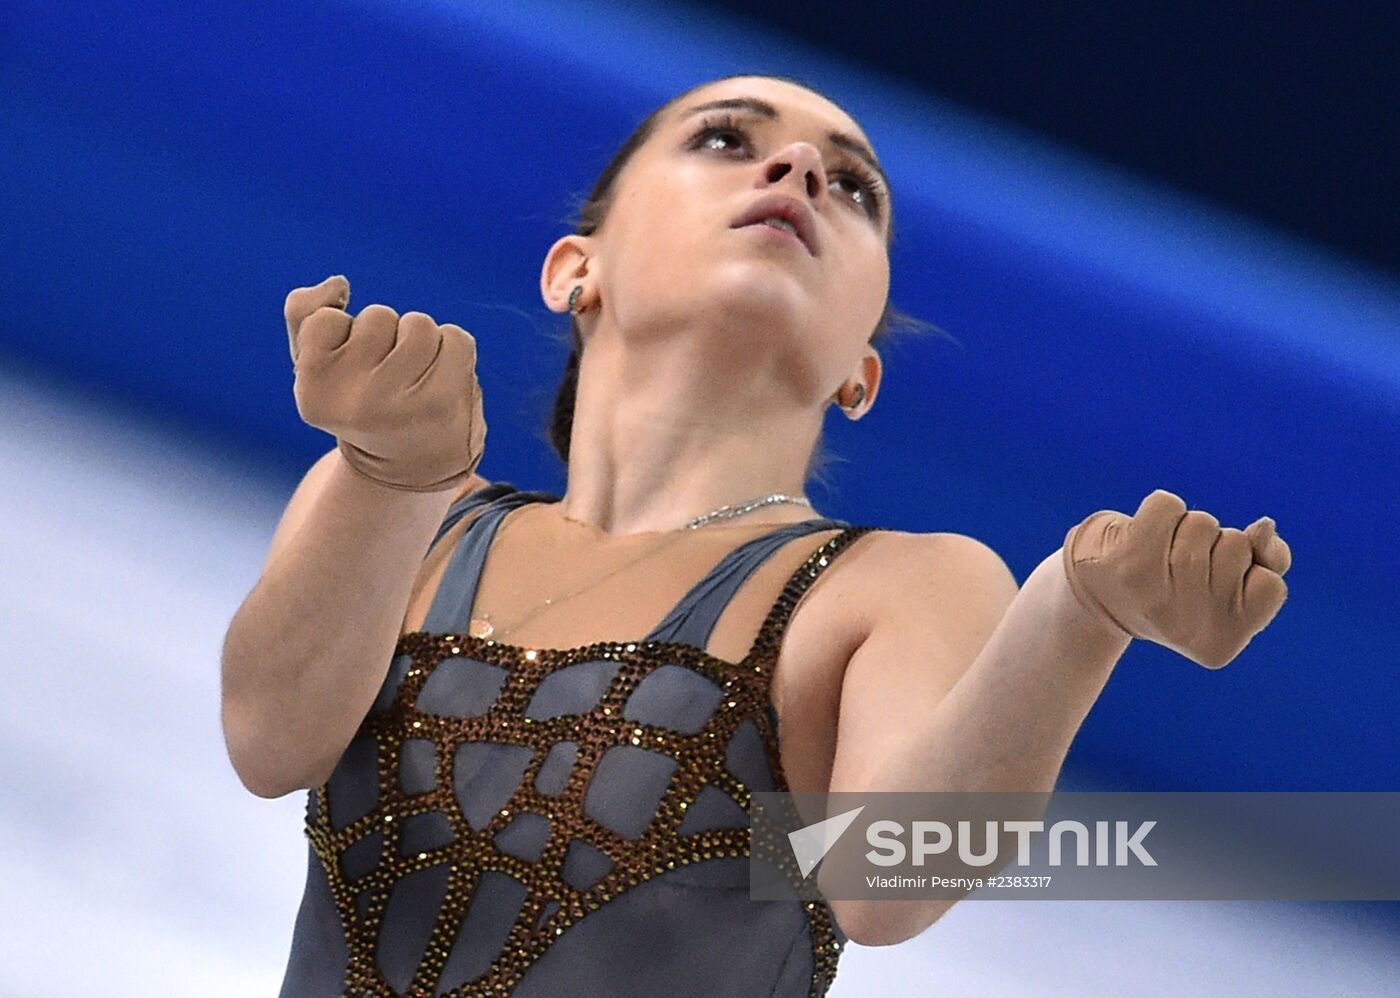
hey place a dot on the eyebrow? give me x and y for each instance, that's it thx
(841, 140)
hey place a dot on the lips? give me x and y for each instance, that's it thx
(781, 206)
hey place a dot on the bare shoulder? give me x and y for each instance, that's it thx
(902, 573)
(887, 574)
(927, 603)
(899, 614)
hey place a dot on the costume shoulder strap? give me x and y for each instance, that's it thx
(474, 500)
(770, 634)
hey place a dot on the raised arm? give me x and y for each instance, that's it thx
(309, 648)
(965, 683)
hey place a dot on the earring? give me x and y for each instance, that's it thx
(860, 397)
(573, 299)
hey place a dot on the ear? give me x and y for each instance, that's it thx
(566, 265)
(869, 370)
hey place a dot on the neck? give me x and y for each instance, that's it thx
(658, 445)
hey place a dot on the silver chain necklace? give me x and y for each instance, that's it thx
(481, 625)
(725, 512)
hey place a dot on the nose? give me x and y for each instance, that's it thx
(804, 161)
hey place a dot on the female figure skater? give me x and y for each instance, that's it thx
(529, 755)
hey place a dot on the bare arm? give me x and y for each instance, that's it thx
(308, 650)
(964, 684)
(998, 681)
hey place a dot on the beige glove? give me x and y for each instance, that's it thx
(1177, 578)
(399, 394)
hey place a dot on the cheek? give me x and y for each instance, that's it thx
(651, 264)
(863, 289)
(655, 271)
(664, 247)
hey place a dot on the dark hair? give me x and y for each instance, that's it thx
(594, 210)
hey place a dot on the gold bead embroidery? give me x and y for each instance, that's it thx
(700, 758)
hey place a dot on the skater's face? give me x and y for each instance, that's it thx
(669, 259)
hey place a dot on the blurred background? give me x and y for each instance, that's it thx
(1166, 240)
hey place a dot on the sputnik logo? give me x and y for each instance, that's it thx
(811, 842)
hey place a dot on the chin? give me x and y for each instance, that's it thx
(759, 291)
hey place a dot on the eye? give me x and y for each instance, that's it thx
(712, 127)
(867, 184)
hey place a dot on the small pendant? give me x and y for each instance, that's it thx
(480, 627)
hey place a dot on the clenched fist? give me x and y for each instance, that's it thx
(399, 393)
(1175, 577)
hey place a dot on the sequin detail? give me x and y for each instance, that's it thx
(473, 849)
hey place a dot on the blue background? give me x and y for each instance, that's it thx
(181, 168)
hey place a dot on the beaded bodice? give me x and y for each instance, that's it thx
(507, 819)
